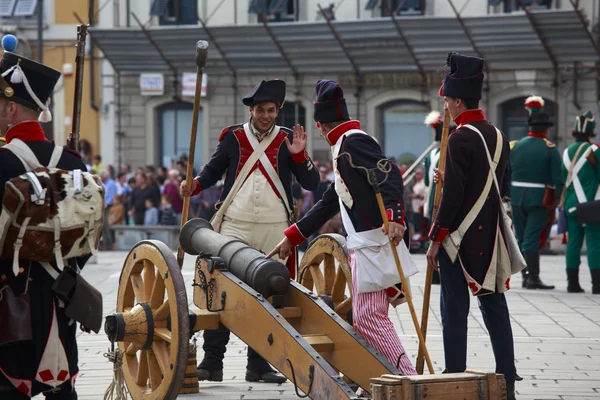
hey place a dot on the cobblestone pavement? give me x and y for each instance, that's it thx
(557, 339)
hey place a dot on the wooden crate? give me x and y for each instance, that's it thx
(469, 385)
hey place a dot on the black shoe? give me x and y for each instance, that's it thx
(533, 272)
(534, 282)
(208, 375)
(573, 279)
(267, 377)
(510, 390)
(524, 281)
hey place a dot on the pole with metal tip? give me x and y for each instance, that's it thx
(201, 55)
(403, 280)
(436, 205)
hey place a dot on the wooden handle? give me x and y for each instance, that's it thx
(436, 205)
(190, 167)
(411, 307)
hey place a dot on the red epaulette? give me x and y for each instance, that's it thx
(225, 130)
(68, 150)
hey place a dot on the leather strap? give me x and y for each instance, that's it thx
(270, 171)
(466, 223)
(569, 174)
(241, 178)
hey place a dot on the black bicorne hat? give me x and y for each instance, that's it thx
(540, 119)
(32, 83)
(266, 91)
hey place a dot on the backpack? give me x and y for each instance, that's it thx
(49, 214)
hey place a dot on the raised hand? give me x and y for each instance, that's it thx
(299, 141)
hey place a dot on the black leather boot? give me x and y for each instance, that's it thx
(595, 281)
(510, 390)
(533, 275)
(524, 275)
(573, 279)
(210, 375)
(435, 278)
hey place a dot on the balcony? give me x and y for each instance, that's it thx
(274, 10)
(18, 13)
(175, 12)
(398, 7)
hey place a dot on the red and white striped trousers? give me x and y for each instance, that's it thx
(371, 321)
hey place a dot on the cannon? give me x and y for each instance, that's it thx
(267, 276)
(292, 327)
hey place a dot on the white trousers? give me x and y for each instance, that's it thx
(263, 237)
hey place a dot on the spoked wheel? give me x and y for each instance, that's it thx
(153, 303)
(319, 273)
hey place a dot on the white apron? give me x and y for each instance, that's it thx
(375, 266)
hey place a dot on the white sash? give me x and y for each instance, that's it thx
(574, 179)
(375, 265)
(273, 175)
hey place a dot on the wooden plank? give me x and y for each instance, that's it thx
(321, 343)
(492, 386)
(205, 320)
(290, 312)
(396, 379)
(459, 389)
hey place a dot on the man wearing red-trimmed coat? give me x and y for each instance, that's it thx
(259, 210)
(353, 197)
(475, 269)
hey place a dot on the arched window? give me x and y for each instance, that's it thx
(174, 129)
(515, 118)
(287, 115)
(403, 132)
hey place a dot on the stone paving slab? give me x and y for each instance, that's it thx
(557, 339)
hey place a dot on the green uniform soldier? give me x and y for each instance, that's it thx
(535, 169)
(583, 186)
(434, 121)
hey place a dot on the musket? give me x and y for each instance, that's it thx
(418, 161)
(73, 141)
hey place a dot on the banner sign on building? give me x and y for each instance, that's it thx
(188, 84)
(397, 80)
(152, 85)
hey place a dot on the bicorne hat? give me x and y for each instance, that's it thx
(330, 105)
(540, 119)
(465, 78)
(585, 123)
(266, 91)
(25, 81)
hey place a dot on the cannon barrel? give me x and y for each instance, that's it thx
(266, 276)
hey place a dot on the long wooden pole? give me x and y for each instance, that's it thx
(436, 205)
(201, 55)
(386, 222)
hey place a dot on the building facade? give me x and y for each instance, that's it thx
(141, 125)
(59, 32)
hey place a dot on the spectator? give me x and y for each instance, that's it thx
(151, 213)
(122, 183)
(323, 184)
(417, 197)
(116, 214)
(126, 169)
(139, 195)
(161, 172)
(97, 165)
(329, 169)
(167, 215)
(171, 189)
(110, 191)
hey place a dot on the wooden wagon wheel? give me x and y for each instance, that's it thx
(152, 293)
(330, 281)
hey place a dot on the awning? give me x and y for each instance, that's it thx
(506, 41)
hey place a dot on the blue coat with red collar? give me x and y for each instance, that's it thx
(465, 175)
(233, 151)
(364, 213)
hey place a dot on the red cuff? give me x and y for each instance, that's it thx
(437, 234)
(294, 235)
(198, 188)
(390, 216)
(301, 157)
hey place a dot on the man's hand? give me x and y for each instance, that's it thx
(185, 191)
(438, 176)
(284, 249)
(432, 254)
(395, 232)
(299, 141)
